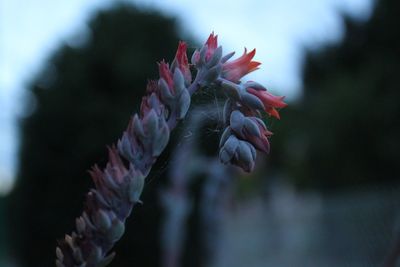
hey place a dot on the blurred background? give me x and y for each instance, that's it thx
(72, 73)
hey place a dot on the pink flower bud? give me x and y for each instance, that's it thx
(212, 44)
(260, 142)
(166, 74)
(181, 61)
(206, 53)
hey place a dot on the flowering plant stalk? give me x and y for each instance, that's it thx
(119, 185)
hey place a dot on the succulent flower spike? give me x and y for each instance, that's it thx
(236, 69)
(118, 186)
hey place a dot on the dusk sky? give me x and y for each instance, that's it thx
(30, 30)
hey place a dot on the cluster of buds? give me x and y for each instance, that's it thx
(245, 131)
(102, 223)
(119, 185)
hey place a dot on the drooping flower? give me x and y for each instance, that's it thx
(238, 152)
(249, 128)
(234, 70)
(271, 102)
(181, 61)
(260, 142)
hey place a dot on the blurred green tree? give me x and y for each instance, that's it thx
(85, 95)
(345, 129)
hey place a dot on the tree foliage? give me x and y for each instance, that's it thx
(344, 131)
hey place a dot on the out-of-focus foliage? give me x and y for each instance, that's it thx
(3, 243)
(84, 97)
(345, 130)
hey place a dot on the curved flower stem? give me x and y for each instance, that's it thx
(119, 185)
(108, 206)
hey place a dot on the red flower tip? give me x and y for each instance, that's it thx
(212, 44)
(181, 53)
(236, 69)
(271, 102)
(182, 61)
(212, 41)
(273, 113)
(165, 73)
